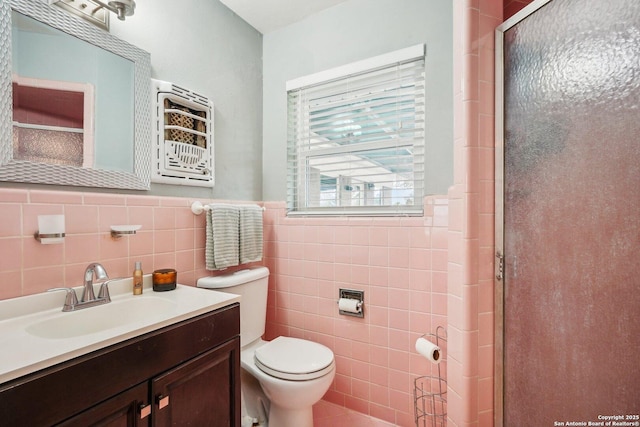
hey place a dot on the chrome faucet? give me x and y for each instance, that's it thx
(89, 299)
(101, 274)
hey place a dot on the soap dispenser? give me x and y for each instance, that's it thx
(137, 278)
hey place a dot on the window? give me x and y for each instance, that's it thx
(356, 138)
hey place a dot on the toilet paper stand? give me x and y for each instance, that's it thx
(430, 391)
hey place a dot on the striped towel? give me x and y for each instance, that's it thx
(222, 244)
(250, 233)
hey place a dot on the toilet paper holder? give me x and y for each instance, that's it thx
(352, 294)
(430, 391)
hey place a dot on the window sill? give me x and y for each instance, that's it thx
(360, 213)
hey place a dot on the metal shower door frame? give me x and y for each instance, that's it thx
(498, 378)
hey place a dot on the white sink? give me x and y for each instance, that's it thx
(35, 333)
(101, 318)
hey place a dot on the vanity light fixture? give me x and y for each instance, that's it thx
(95, 11)
(122, 8)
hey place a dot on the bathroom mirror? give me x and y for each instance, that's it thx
(112, 104)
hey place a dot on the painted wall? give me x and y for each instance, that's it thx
(205, 47)
(351, 31)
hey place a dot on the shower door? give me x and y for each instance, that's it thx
(568, 214)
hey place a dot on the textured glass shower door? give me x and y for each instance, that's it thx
(571, 214)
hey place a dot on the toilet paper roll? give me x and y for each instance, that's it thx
(349, 305)
(429, 350)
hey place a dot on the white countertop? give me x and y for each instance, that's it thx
(22, 352)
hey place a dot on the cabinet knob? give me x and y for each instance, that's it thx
(145, 411)
(162, 401)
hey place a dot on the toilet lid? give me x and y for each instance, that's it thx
(294, 359)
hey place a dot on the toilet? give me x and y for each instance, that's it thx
(293, 373)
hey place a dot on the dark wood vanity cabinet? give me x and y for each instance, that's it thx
(124, 409)
(184, 374)
(198, 393)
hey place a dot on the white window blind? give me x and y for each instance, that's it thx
(356, 138)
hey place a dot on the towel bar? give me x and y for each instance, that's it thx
(197, 207)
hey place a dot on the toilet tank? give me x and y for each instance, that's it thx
(252, 285)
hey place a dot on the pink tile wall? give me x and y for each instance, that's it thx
(511, 7)
(171, 237)
(471, 228)
(399, 263)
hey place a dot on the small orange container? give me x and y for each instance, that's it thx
(164, 279)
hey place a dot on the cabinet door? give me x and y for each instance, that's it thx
(128, 409)
(204, 391)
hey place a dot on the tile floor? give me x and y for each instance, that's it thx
(327, 414)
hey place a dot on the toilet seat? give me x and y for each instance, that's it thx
(294, 359)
